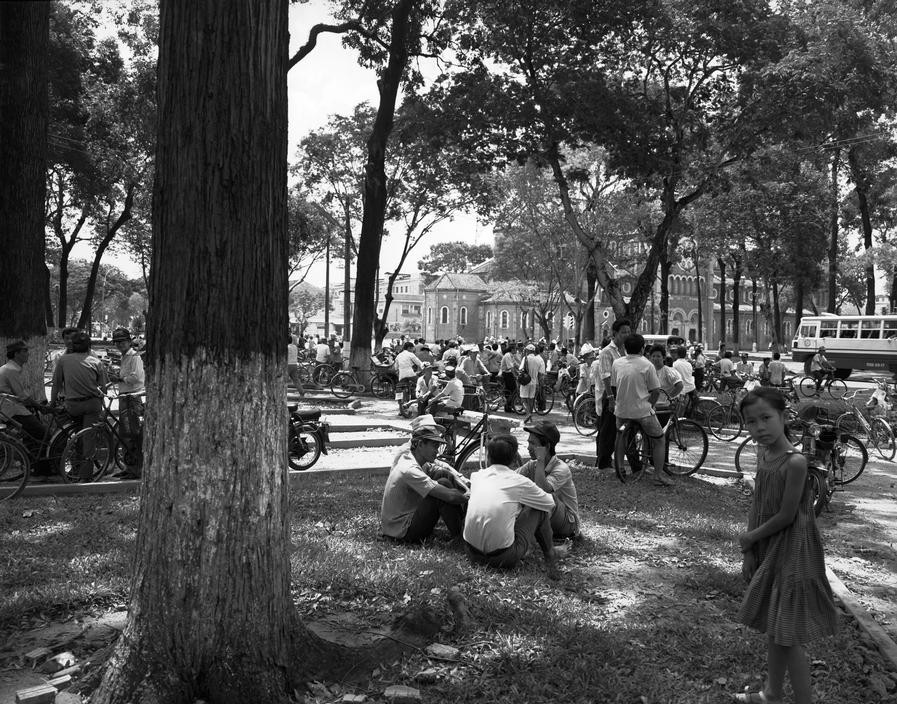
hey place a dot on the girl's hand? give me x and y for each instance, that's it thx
(748, 565)
(745, 542)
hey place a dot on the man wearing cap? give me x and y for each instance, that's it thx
(12, 383)
(507, 515)
(131, 379)
(586, 357)
(83, 379)
(419, 490)
(451, 398)
(472, 366)
(553, 476)
(535, 365)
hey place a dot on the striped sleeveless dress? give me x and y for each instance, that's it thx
(789, 597)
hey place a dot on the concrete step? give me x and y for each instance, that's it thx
(356, 424)
(367, 439)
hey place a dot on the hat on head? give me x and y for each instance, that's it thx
(14, 347)
(449, 369)
(121, 334)
(586, 349)
(424, 366)
(426, 428)
(545, 430)
(530, 348)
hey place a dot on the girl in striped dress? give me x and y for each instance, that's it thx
(788, 596)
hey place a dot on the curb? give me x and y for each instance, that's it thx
(886, 645)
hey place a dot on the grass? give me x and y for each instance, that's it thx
(644, 612)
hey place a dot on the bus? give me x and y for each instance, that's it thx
(867, 342)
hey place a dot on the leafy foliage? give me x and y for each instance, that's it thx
(453, 257)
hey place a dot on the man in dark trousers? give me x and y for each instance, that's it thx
(607, 427)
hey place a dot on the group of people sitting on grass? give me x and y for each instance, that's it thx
(500, 514)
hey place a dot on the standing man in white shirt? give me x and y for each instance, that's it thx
(607, 428)
(636, 387)
(131, 381)
(407, 365)
(686, 372)
(507, 514)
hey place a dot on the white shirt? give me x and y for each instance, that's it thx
(405, 361)
(497, 496)
(726, 366)
(685, 371)
(424, 387)
(635, 377)
(322, 352)
(131, 372)
(606, 358)
(453, 393)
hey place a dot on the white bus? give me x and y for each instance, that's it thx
(851, 341)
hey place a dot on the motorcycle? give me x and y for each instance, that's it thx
(308, 437)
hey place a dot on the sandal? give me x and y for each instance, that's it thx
(755, 698)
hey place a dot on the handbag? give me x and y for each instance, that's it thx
(524, 378)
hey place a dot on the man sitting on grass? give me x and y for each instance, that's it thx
(507, 514)
(419, 491)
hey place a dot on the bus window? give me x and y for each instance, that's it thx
(890, 329)
(828, 328)
(808, 330)
(870, 329)
(848, 329)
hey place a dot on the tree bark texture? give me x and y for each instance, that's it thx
(861, 184)
(24, 41)
(588, 321)
(736, 303)
(665, 267)
(834, 209)
(375, 194)
(722, 300)
(210, 615)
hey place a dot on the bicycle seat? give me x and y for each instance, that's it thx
(307, 413)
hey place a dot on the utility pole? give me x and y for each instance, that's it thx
(327, 292)
(347, 284)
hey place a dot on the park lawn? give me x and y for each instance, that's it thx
(644, 612)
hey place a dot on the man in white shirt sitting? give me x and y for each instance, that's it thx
(451, 398)
(507, 514)
(407, 365)
(425, 388)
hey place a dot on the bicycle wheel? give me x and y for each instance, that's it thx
(686, 447)
(494, 396)
(818, 490)
(544, 401)
(836, 388)
(382, 386)
(517, 404)
(847, 423)
(807, 387)
(304, 374)
(472, 458)
(725, 423)
(15, 467)
(585, 417)
(702, 410)
(882, 438)
(303, 448)
(322, 374)
(850, 460)
(629, 453)
(746, 456)
(343, 384)
(91, 448)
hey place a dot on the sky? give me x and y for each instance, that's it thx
(329, 81)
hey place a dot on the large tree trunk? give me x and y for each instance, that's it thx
(665, 267)
(210, 611)
(736, 303)
(84, 322)
(754, 312)
(588, 320)
(24, 40)
(375, 194)
(834, 209)
(776, 315)
(861, 183)
(799, 295)
(722, 300)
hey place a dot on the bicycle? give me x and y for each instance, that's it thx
(15, 466)
(686, 449)
(725, 421)
(585, 415)
(51, 447)
(876, 430)
(834, 387)
(344, 383)
(469, 450)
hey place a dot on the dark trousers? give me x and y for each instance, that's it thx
(428, 514)
(510, 382)
(130, 411)
(699, 379)
(532, 527)
(86, 414)
(607, 436)
(33, 439)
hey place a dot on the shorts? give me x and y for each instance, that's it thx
(649, 424)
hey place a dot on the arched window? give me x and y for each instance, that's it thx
(748, 326)
(443, 315)
(462, 316)
(523, 319)
(489, 320)
(504, 320)
(429, 314)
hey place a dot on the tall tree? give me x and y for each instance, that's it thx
(24, 37)
(453, 256)
(210, 610)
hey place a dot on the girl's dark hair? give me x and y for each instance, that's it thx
(772, 396)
